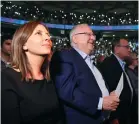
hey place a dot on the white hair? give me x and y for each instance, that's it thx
(74, 31)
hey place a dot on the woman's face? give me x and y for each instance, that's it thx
(39, 43)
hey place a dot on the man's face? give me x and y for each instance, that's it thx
(84, 39)
(6, 47)
(123, 49)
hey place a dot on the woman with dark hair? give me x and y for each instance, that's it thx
(27, 94)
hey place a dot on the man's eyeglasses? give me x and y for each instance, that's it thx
(86, 33)
(127, 46)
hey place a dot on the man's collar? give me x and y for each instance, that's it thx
(119, 59)
(122, 63)
(83, 54)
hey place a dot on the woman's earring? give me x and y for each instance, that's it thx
(25, 48)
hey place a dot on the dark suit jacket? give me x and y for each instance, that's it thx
(111, 71)
(76, 87)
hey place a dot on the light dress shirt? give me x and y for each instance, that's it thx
(97, 75)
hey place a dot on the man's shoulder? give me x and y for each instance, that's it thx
(109, 62)
(64, 50)
(110, 59)
(64, 54)
(67, 52)
(3, 65)
(8, 72)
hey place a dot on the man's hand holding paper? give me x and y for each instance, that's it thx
(110, 102)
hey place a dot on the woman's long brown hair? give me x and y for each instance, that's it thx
(18, 56)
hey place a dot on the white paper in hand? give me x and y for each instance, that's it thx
(119, 86)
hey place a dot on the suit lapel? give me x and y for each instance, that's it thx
(116, 63)
(83, 66)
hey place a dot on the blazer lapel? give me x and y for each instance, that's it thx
(83, 66)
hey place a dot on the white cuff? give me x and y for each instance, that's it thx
(100, 103)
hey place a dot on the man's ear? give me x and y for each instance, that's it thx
(116, 49)
(74, 39)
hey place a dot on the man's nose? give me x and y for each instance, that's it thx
(93, 37)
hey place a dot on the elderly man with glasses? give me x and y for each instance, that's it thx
(80, 85)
